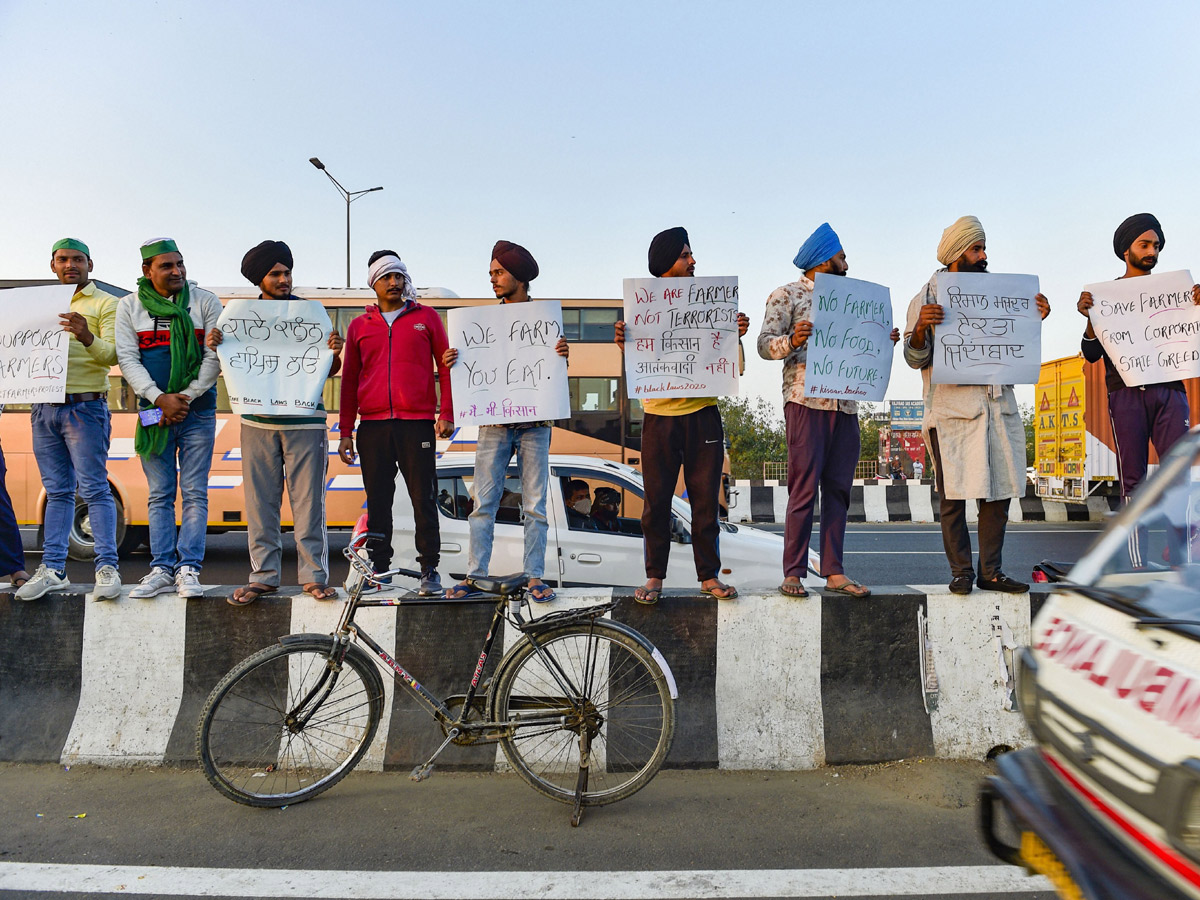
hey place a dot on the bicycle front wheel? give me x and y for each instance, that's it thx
(601, 681)
(284, 725)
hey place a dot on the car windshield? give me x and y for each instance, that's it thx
(1149, 556)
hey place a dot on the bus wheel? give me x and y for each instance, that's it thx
(81, 544)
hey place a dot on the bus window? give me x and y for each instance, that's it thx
(594, 394)
(592, 324)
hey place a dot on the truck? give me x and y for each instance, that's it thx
(1074, 449)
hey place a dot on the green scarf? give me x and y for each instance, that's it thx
(186, 356)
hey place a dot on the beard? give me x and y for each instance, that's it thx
(1144, 263)
(980, 266)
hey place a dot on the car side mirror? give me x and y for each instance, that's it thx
(679, 532)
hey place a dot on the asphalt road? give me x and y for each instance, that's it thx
(876, 554)
(897, 830)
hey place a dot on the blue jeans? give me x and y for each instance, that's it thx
(192, 442)
(70, 443)
(12, 556)
(493, 450)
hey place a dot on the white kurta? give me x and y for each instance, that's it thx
(980, 435)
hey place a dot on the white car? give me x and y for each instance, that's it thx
(582, 550)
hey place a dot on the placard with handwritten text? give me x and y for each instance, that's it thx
(33, 345)
(275, 355)
(1149, 327)
(681, 337)
(992, 332)
(849, 353)
(507, 369)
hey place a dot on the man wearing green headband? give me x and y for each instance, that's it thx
(160, 345)
(70, 439)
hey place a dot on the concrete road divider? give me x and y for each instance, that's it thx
(765, 681)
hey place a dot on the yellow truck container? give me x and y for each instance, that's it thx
(1071, 456)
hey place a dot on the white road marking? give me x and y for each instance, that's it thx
(517, 885)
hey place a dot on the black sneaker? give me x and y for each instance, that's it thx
(431, 583)
(961, 584)
(1002, 583)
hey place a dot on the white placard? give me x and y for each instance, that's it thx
(850, 349)
(1149, 326)
(507, 369)
(275, 355)
(992, 331)
(681, 337)
(33, 345)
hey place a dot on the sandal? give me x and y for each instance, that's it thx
(244, 596)
(463, 591)
(647, 596)
(848, 588)
(721, 591)
(793, 589)
(541, 592)
(320, 591)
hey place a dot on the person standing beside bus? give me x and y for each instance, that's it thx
(388, 382)
(70, 439)
(275, 448)
(681, 432)
(511, 270)
(160, 347)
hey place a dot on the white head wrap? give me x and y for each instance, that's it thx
(958, 238)
(385, 265)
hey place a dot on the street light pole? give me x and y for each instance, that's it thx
(350, 197)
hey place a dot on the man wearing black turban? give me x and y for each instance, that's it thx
(511, 270)
(681, 432)
(279, 448)
(1155, 413)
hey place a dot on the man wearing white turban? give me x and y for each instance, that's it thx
(974, 432)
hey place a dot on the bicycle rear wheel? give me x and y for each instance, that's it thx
(614, 688)
(282, 726)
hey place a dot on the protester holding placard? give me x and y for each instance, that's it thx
(160, 346)
(392, 353)
(822, 432)
(275, 448)
(70, 439)
(1144, 413)
(511, 270)
(973, 431)
(680, 432)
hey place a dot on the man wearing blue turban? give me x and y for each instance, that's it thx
(822, 433)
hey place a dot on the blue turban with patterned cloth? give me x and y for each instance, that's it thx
(822, 244)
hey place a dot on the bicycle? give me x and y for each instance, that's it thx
(582, 706)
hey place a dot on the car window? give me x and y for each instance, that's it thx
(456, 498)
(609, 504)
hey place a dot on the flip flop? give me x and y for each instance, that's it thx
(721, 591)
(320, 591)
(250, 593)
(541, 592)
(463, 592)
(788, 589)
(647, 596)
(847, 589)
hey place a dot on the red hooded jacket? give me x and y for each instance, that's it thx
(387, 372)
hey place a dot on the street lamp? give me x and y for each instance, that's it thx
(350, 197)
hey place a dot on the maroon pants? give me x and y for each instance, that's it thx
(823, 447)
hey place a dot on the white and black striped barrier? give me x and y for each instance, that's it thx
(765, 682)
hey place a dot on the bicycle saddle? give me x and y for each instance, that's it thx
(504, 585)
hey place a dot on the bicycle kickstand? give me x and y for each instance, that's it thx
(425, 769)
(585, 753)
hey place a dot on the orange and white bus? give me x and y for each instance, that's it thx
(604, 423)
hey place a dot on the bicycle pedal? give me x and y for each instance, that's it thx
(421, 772)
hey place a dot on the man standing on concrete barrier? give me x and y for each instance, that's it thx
(974, 432)
(1155, 413)
(681, 432)
(275, 448)
(70, 439)
(160, 346)
(822, 433)
(511, 270)
(388, 381)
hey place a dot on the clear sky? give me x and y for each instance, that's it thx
(580, 130)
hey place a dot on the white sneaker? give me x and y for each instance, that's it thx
(108, 584)
(43, 581)
(187, 583)
(157, 582)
